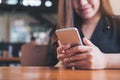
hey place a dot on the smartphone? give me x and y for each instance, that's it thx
(69, 35)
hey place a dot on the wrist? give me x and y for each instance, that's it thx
(106, 61)
(109, 61)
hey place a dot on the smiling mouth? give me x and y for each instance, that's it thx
(84, 9)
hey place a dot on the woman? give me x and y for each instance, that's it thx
(99, 29)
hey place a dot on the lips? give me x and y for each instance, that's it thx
(84, 9)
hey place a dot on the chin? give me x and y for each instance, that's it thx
(88, 16)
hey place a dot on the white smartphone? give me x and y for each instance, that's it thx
(69, 35)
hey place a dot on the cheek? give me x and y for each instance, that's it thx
(96, 3)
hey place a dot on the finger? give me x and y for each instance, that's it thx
(61, 51)
(87, 42)
(76, 63)
(84, 64)
(58, 49)
(59, 43)
(77, 49)
(62, 48)
(60, 57)
(77, 57)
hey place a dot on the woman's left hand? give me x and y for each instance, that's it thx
(86, 56)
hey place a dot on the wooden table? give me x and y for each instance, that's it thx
(46, 73)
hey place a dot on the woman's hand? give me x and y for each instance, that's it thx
(83, 57)
(61, 53)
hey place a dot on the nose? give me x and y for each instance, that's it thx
(82, 2)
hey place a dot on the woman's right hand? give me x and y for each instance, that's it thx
(61, 52)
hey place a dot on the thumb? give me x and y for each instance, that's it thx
(59, 43)
(87, 42)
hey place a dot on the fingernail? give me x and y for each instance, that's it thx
(65, 60)
(63, 51)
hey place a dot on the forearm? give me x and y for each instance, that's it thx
(113, 60)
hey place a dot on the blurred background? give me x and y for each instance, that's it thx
(22, 19)
(19, 19)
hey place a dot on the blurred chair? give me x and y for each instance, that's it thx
(34, 55)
